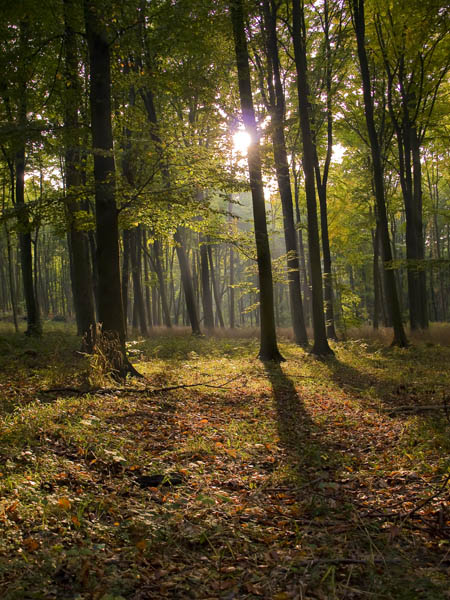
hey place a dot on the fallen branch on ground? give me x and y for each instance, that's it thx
(416, 409)
(146, 391)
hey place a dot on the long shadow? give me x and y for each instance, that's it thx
(308, 456)
(389, 389)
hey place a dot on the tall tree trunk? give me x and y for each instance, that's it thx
(136, 268)
(304, 270)
(321, 346)
(208, 315)
(215, 287)
(126, 243)
(12, 287)
(422, 316)
(277, 114)
(186, 279)
(81, 275)
(157, 265)
(376, 276)
(34, 326)
(322, 180)
(109, 291)
(268, 343)
(232, 301)
(148, 304)
(357, 7)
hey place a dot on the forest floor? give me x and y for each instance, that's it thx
(310, 480)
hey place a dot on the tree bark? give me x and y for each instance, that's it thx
(277, 114)
(268, 341)
(34, 326)
(81, 275)
(215, 287)
(357, 7)
(208, 315)
(320, 346)
(135, 255)
(107, 232)
(186, 279)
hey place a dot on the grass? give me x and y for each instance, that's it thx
(309, 480)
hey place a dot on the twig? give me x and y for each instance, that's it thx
(147, 391)
(343, 561)
(427, 500)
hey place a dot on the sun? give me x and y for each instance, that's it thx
(241, 141)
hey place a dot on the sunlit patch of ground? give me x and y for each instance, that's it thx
(316, 479)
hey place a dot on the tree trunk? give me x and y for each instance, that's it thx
(391, 290)
(156, 260)
(215, 287)
(135, 255)
(208, 315)
(321, 346)
(186, 279)
(268, 343)
(81, 275)
(277, 114)
(34, 326)
(109, 288)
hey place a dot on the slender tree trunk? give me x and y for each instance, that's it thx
(110, 296)
(34, 326)
(156, 259)
(391, 290)
(186, 279)
(277, 114)
(231, 291)
(418, 222)
(206, 286)
(81, 276)
(303, 267)
(135, 255)
(321, 346)
(126, 244)
(268, 343)
(148, 304)
(376, 276)
(12, 287)
(322, 180)
(215, 287)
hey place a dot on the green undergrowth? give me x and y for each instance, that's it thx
(313, 479)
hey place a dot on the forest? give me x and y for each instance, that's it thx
(224, 299)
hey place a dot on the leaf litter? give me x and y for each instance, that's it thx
(294, 482)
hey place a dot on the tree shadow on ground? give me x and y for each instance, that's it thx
(300, 437)
(392, 388)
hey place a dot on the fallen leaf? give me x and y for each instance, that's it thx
(64, 503)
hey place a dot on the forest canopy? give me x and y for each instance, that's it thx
(127, 198)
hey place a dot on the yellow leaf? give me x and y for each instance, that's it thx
(141, 544)
(75, 520)
(64, 503)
